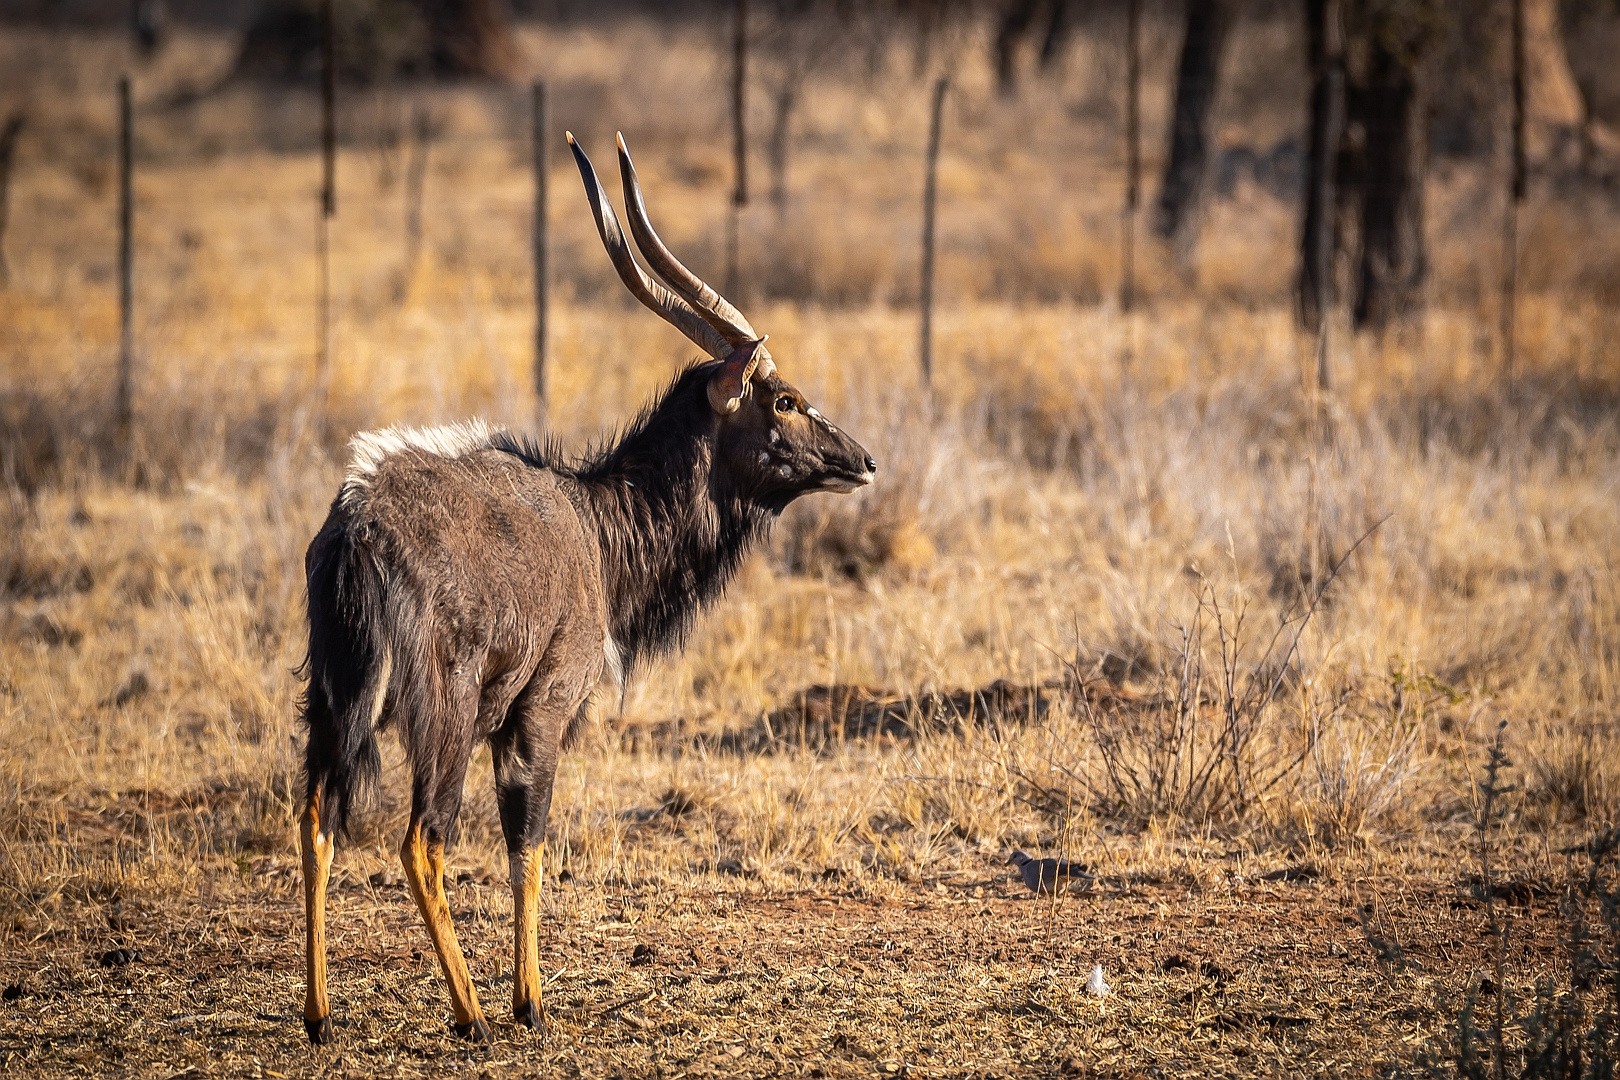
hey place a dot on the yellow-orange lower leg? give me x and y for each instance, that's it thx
(424, 869)
(526, 874)
(316, 849)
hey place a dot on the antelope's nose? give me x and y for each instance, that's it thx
(871, 463)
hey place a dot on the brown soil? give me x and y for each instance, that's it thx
(1236, 970)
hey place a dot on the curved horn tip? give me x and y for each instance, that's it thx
(623, 149)
(569, 135)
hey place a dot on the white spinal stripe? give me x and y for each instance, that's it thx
(369, 449)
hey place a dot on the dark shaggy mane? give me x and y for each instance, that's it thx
(540, 451)
(672, 532)
(546, 451)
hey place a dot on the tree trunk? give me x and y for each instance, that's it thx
(470, 38)
(8, 148)
(781, 120)
(1517, 180)
(1326, 56)
(1393, 261)
(1059, 26)
(1016, 18)
(1133, 155)
(739, 145)
(1179, 191)
(453, 38)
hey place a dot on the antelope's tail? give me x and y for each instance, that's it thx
(347, 672)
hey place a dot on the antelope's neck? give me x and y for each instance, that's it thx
(671, 537)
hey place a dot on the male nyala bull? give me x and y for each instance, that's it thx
(470, 584)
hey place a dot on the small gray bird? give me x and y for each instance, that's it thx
(1049, 875)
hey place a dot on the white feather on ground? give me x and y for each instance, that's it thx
(1097, 986)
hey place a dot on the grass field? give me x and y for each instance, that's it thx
(1124, 519)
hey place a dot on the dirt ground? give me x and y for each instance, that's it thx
(1237, 967)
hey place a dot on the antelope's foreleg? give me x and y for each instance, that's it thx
(424, 869)
(526, 873)
(316, 847)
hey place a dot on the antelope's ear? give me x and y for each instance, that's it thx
(726, 386)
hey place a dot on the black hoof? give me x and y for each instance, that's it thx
(320, 1031)
(528, 1015)
(477, 1031)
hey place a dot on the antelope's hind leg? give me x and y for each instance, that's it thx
(525, 756)
(422, 854)
(315, 845)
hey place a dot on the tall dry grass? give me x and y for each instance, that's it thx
(1078, 488)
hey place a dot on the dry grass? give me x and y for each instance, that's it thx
(1055, 514)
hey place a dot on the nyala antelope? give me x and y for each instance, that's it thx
(471, 584)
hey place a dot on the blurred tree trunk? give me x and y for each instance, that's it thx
(1325, 48)
(1182, 185)
(777, 146)
(1389, 109)
(1059, 26)
(794, 40)
(149, 19)
(470, 38)
(381, 41)
(1016, 18)
(8, 148)
(1368, 159)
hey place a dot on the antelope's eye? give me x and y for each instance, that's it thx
(785, 404)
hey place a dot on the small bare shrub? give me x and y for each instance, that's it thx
(1213, 738)
(1207, 741)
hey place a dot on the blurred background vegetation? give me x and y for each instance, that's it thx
(1080, 486)
(1415, 173)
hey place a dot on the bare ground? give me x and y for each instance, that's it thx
(1236, 966)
